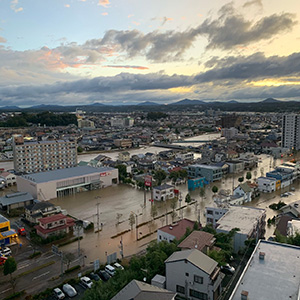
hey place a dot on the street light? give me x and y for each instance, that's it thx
(136, 225)
(78, 226)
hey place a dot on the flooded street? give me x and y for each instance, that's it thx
(124, 199)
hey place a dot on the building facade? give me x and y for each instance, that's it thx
(291, 131)
(58, 183)
(163, 192)
(193, 275)
(211, 173)
(40, 156)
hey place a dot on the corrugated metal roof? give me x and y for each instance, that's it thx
(15, 198)
(64, 173)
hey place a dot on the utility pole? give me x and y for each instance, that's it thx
(98, 213)
(136, 226)
(121, 247)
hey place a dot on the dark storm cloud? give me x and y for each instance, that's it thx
(225, 32)
(251, 67)
(232, 30)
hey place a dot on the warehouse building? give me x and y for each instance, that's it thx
(58, 183)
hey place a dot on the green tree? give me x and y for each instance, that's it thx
(188, 198)
(248, 175)
(214, 189)
(122, 172)
(131, 220)
(174, 176)
(10, 266)
(159, 176)
(79, 149)
(241, 179)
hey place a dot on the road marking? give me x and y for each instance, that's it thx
(40, 275)
(19, 268)
(5, 291)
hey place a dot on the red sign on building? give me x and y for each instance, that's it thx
(148, 180)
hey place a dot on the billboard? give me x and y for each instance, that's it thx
(148, 180)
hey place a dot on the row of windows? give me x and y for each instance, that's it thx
(196, 294)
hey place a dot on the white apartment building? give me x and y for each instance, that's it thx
(291, 131)
(40, 156)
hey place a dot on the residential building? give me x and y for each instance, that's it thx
(124, 156)
(243, 190)
(175, 231)
(38, 210)
(268, 184)
(293, 227)
(292, 209)
(196, 183)
(52, 184)
(213, 214)
(163, 192)
(250, 221)
(200, 240)
(229, 133)
(7, 235)
(193, 275)
(123, 143)
(236, 166)
(290, 131)
(10, 178)
(272, 272)
(15, 200)
(137, 290)
(40, 156)
(211, 173)
(54, 225)
(185, 156)
(85, 123)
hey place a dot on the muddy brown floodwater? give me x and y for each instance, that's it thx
(124, 199)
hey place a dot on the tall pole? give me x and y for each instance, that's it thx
(136, 226)
(98, 216)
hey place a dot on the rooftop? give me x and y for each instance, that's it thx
(240, 217)
(275, 277)
(52, 218)
(205, 166)
(178, 229)
(15, 198)
(3, 219)
(137, 290)
(197, 258)
(197, 240)
(64, 173)
(163, 187)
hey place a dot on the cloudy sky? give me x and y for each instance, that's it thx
(130, 51)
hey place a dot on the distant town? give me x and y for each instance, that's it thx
(191, 202)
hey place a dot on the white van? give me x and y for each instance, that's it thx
(110, 270)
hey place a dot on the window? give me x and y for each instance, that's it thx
(187, 274)
(198, 279)
(198, 295)
(180, 289)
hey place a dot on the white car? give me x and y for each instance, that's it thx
(58, 293)
(110, 270)
(86, 281)
(118, 266)
(69, 290)
(5, 251)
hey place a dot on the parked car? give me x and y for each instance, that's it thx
(228, 269)
(117, 266)
(69, 290)
(103, 275)
(110, 270)
(94, 276)
(21, 231)
(5, 251)
(58, 294)
(2, 260)
(86, 281)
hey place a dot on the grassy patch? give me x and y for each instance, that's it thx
(72, 269)
(36, 269)
(15, 295)
(35, 254)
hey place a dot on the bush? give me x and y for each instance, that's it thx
(72, 269)
(15, 295)
(35, 254)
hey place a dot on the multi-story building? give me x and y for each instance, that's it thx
(291, 131)
(7, 235)
(250, 221)
(193, 275)
(211, 173)
(272, 272)
(40, 156)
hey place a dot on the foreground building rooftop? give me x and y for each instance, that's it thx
(272, 272)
